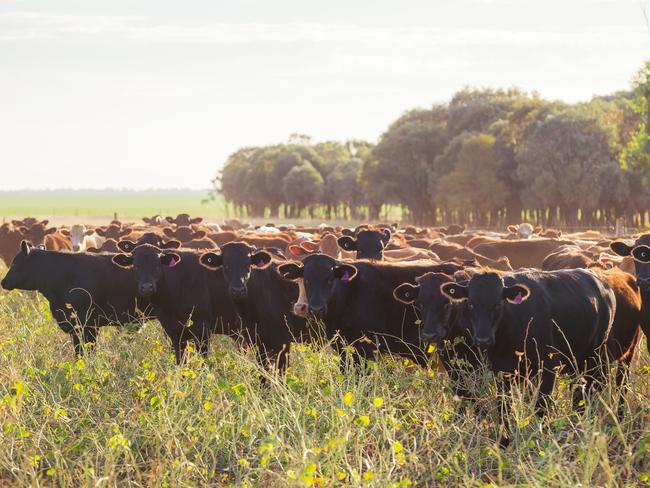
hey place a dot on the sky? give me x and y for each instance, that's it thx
(145, 94)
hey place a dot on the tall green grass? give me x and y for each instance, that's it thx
(125, 414)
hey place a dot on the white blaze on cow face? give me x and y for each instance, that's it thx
(301, 307)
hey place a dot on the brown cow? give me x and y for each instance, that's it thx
(522, 254)
(113, 231)
(10, 238)
(568, 257)
(184, 220)
(448, 250)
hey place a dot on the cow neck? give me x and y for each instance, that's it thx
(50, 283)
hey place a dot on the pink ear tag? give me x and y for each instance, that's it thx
(173, 263)
(519, 298)
(345, 277)
(261, 263)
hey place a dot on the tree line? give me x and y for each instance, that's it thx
(485, 158)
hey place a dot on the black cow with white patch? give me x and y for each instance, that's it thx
(355, 300)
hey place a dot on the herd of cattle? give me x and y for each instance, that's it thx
(527, 302)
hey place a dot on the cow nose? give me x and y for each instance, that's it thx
(430, 337)
(319, 310)
(300, 309)
(146, 289)
(76, 248)
(238, 291)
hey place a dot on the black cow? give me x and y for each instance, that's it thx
(368, 244)
(533, 323)
(445, 323)
(263, 299)
(85, 291)
(355, 300)
(640, 252)
(188, 300)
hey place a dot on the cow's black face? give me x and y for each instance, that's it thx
(369, 244)
(148, 262)
(24, 269)
(236, 259)
(434, 307)
(320, 274)
(640, 252)
(486, 296)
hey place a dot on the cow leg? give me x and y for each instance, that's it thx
(90, 337)
(545, 390)
(503, 388)
(76, 342)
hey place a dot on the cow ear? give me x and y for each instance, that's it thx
(126, 246)
(197, 220)
(171, 220)
(123, 260)
(170, 259)
(347, 232)
(65, 232)
(516, 294)
(100, 232)
(537, 230)
(89, 232)
(199, 234)
(44, 222)
(454, 291)
(25, 247)
(23, 230)
(385, 238)
(620, 248)
(512, 229)
(211, 260)
(169, 232)
(290, 271)
(345, 272)
(347, 243)
(641, 254)
(125, 232)
(92, 249)
(406, 293)
(261, 259)
(297, 250)
(309, 246)
(51, 230)
(173, 244)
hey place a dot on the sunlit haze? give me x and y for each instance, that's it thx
(156, 94)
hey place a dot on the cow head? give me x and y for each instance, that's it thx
(184, 233)
(24, 270)
(113, 231)
(148, 238)
(148, 262)
(640, 252)
(36, 233)
(319, 274)
(368, 244)
(486, 296)
(236, 260)
(184, 220)
(77, 234)
(434, 306)
(523, 231)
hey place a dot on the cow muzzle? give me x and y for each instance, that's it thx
(147, 289)
(483, 342)
(238, 291)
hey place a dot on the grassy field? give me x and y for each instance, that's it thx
(99, 207)
(127, 414)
